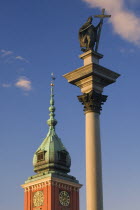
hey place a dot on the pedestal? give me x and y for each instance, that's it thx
(91, 79)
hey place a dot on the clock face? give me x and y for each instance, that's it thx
(38, 198)
(64, 198)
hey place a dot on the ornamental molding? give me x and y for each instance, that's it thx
(90, 69)
(52, 183)
(92, 101)
(39, 184)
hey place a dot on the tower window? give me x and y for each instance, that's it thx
(40, 156)
(62, 156)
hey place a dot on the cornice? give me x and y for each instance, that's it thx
(39, 184)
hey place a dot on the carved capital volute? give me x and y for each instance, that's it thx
(92, 101)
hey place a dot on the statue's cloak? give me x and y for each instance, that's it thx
(87, 35)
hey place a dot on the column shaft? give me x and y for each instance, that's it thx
(93, 162)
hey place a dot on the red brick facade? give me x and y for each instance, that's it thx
(50, 191)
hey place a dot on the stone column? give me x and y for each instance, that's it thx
(92, 105)
(91, 79)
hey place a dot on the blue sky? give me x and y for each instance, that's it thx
(39, 37)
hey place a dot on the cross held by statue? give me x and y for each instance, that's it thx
(102, 16)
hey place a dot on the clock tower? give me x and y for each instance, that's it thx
(51, 188)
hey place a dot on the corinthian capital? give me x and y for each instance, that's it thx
(92, 101)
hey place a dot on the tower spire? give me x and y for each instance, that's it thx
(51, 156)
(52, 121)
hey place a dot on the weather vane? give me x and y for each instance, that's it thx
(89, 35)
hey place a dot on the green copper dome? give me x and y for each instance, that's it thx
(52, 156)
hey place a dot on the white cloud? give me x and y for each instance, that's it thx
(5, 52)
(21, 59)
(6, 85)
(24, 84)
(125, 22)
(9, 56)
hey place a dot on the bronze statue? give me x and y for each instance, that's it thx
(89, 35)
